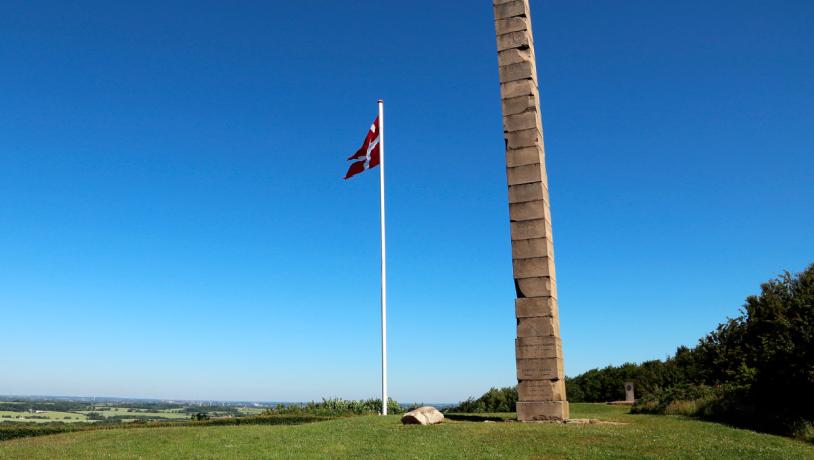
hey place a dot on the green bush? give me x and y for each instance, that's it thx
(760, 363)
(494, 400)
(607, 384)
(337, 407)
(24, 430)
(681, 399)
(256, 420)
(755, 370)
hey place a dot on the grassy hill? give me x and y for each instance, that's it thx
(639, 436)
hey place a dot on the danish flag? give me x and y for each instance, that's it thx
(368, 154)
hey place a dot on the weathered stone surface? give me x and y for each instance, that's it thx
(532, 191)
(522, 121)
(525, 156)
(518, 71)
(541, 390)
(529, 210)
(537, 247)
(540, 369)
(629, 394)
(519, 104)
(538, 347)
(519, 39)
(524, 192)
(538, 326)
(535, 306)
(536, 287)
(524, 174)
(514, 55)
(425, 415)
(515, 24)
(542, 410)
(529, 268)
(529, 229)
(510, 9)
(525, 138)
(518, 88)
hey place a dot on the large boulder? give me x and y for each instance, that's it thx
(426, 415)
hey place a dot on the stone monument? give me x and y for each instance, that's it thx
(629, 395)
(540, 375)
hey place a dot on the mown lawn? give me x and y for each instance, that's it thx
(642, 436)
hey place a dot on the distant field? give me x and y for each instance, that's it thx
(124, 412)
(637, 436)
(116, 412)
(50, 416)
(251, 410)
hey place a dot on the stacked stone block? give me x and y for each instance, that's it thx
(540, 375)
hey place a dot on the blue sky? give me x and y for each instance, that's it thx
(175, 225)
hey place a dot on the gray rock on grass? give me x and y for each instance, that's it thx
(426, 415)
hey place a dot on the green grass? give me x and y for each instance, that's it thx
(642, 436)
(122, 412)
(52, 416)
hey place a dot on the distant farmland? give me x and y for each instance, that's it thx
(43, 411)
(42, 417)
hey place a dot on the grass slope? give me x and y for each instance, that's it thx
(643, 436)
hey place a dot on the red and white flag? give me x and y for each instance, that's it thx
(368, 154)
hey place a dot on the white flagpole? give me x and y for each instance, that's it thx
(384, 259)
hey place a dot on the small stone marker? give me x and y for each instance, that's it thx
(629, 396)
(425, 415)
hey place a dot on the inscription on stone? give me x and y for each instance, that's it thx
(539, 369)
(541, 390)
(537, 347)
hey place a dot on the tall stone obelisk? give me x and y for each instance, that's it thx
(540, 375)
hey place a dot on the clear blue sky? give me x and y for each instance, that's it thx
(174, 224)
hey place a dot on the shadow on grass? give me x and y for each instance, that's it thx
(474, 418)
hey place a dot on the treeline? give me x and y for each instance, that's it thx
(46, 405)
(755, 370)
(495, 400)
(649, 377)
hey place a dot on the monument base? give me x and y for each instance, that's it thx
(542, 410)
